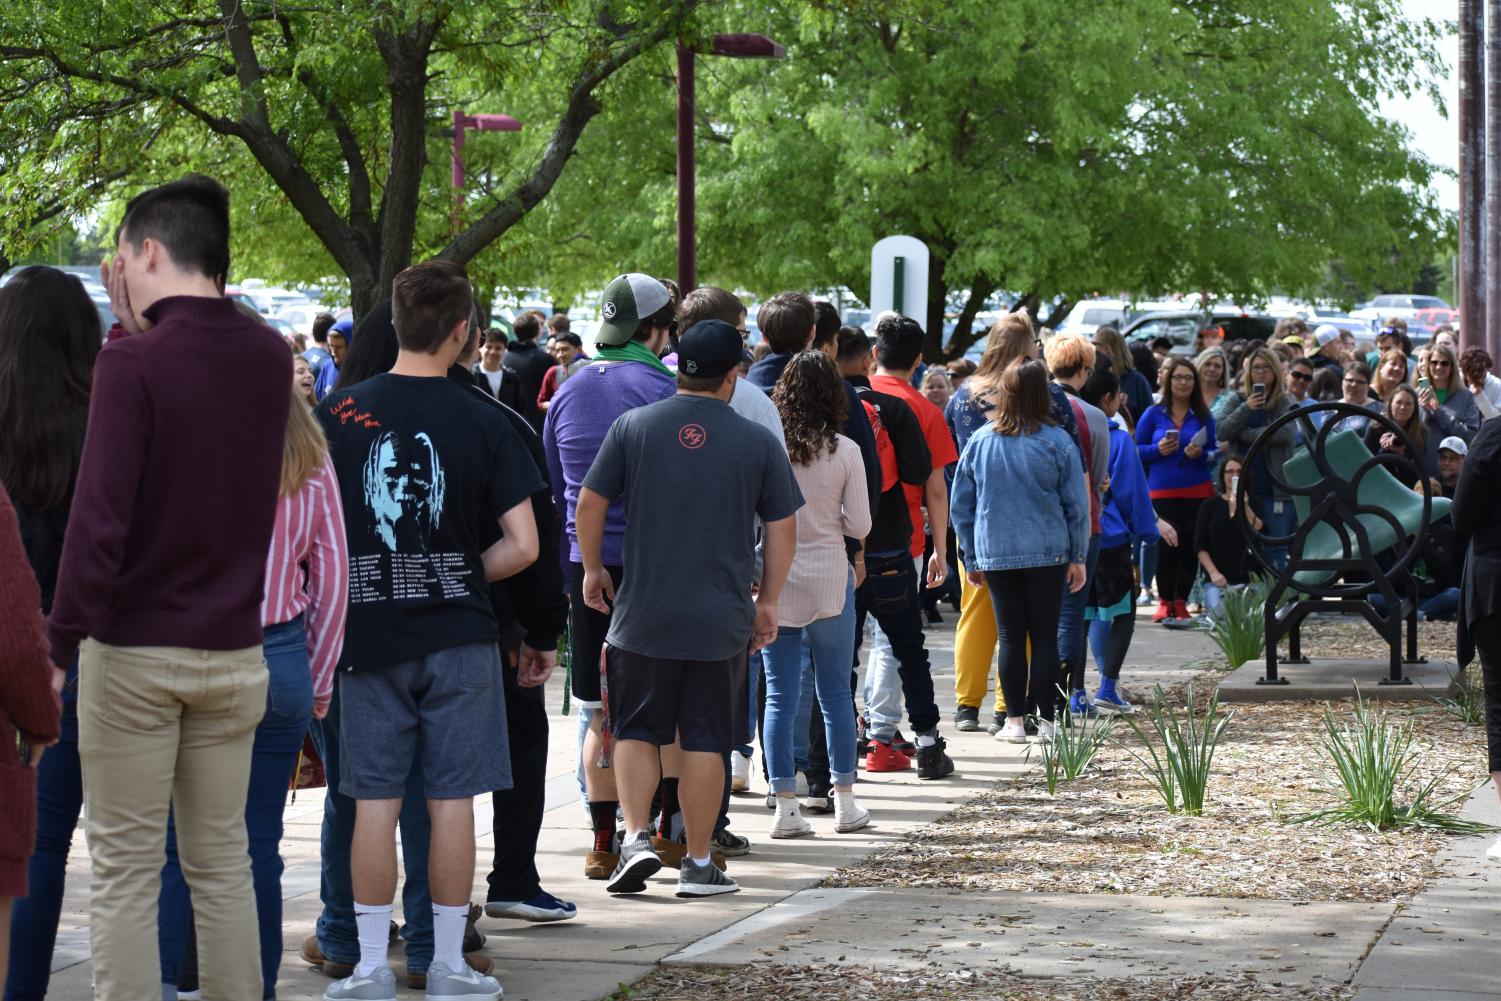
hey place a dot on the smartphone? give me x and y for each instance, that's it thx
(1258, 389)
(1423, 383)
(1170, 435)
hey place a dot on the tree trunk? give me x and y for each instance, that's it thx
(964, 337)
(938, 294)
(1058, 315)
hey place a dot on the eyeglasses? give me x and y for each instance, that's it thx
(1183, 377)
(1300, 376)
(1438, 364)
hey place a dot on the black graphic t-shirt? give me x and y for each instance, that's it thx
(421, 464)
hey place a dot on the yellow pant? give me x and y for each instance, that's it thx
(974, 646)
(158, 725)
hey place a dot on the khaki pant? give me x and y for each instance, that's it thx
(157, 726)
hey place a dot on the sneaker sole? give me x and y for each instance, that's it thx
(1010, 738)
(940, 775)
(720, 851)
(818, 804)
(689, 891)
(485, 996)
(525, 912)
(851, 826)
(738, 785)
(967, 726)
(637, 871)
(789, 835)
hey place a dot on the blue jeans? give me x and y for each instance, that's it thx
(338, 937)
(802, 728)
(1444, 605)
(831, 643)
(1278, 523)
(278, 739)
(753, 671)
(1214, 599)
(1071, 650)
(59, 800)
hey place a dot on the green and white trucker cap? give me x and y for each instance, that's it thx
(627, 300)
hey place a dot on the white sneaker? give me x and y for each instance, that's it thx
(1494, 851)
(739, 772)
(1012, 733)
(1046, 731)
(789, 823)
(848, 814)
(802, 786)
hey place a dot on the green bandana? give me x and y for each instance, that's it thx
(631, 351)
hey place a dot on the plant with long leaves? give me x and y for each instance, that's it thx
(1076, 741)
(1178, 760)
(1468, 706)
(1239, 628)
(1372, 760)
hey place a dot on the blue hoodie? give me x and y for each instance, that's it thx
(1127, 512)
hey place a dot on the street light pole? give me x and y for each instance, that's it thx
(481, 123)
(735, 47)
(1472, 172)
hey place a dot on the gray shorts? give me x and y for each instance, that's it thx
(446, 711)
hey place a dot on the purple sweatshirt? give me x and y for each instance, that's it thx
(585, 407)
(176, 496)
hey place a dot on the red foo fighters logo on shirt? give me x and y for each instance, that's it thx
(692, 436)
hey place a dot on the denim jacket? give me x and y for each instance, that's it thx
(1020, 501)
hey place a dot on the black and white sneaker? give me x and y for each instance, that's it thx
(704, 880)
(638, 863)
(731, 845)
(967, 719)
(820, 797)
(933, 762)
(997, 723)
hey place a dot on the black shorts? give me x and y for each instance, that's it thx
(587, 629)
(661, 701)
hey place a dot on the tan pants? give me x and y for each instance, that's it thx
(162, 725)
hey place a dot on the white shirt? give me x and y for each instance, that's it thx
(752, 403)
(493, 378)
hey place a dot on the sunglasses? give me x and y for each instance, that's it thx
(1438, 364)
(1301, 376)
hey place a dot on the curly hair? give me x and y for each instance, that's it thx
(811, 398)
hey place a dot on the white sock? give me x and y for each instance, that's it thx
(448, 935)
(374, 924)
(701, 862)
(632, 836)
(926, 740)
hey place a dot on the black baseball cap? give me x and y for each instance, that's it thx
(708, 349)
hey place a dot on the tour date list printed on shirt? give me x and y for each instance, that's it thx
(422, 464)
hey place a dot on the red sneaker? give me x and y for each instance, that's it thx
(885, 758)
(1180, 610)
(1164, 611)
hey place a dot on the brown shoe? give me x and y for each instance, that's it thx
(672, 853)
(478, 962)
(474, 941)
(599, 865)
(313, 956)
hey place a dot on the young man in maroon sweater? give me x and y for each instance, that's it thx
(161, 581)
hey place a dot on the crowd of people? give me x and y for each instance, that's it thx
(215, 552)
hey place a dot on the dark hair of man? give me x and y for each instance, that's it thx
(701, 383)
(558, 323)
(427, 301)
(49, 337)
(373, 350)
(1144, 362)
(1301, 362)
(189, 218)
(1474, 364)
(321, 323)
(1022, 403)
(662, 319)
(527, 327)
(709, 303)
(785, 321)
(899, 342)
(853, 345)
(813, 404)
(1165, 343)
(570, 338)
(825, 324)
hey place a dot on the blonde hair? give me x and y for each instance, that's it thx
(936, 376)
(1214, 352)
(1379, 384)
(1010, 338)
(304, 450)
(1069, 353)
(1456, 378)
(1275, 387)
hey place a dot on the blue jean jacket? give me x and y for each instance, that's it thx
(1020, 501)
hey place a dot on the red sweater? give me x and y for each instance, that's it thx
(27, 702)
(176, 496)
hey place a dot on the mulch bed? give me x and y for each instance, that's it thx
(807, 983)
(1110, 832)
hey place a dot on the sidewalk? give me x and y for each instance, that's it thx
(614, 940)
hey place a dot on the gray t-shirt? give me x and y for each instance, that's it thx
(694, 475)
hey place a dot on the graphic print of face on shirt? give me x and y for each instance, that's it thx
(404, 490)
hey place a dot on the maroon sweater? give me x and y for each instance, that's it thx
(27, 703)
(176, 496)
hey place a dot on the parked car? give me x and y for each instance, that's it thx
(1435, 316)
(1089, 314)
(1180, 326)
(1403, 305)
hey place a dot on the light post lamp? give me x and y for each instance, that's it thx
(736, 47)
(480, 123)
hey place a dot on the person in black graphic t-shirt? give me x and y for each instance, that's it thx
(417, 456)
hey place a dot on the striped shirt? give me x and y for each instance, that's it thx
(307, 572)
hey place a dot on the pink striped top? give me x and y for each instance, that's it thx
(307, 572)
